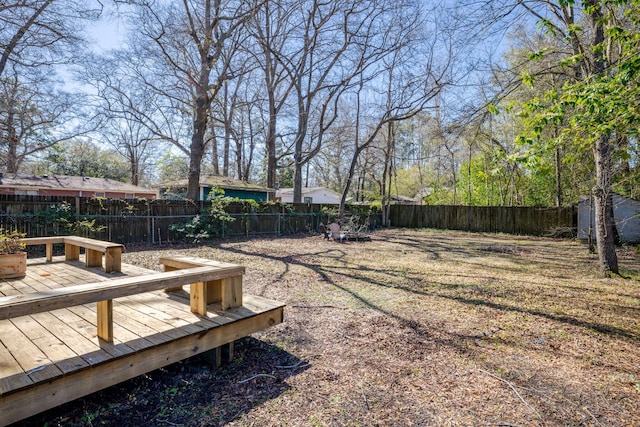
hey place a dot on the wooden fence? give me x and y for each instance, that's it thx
(493, 219)
(150, 221)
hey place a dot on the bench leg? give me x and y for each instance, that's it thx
(112, 260)
(105, 320)
(71, 252)
(214, 291)
(231, 292)
(227, 291)
(49, 251)
(198, 298)
(93, 258)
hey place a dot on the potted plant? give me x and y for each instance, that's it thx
(13, 258)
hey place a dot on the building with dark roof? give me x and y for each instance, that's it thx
(232, 188)
(74, 186)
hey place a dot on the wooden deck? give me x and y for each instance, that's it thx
(51, 358)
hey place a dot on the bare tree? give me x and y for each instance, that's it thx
(130, 113)
(189, 40)
(400, 85)
(38, 33)
(272, 29)
(323, 56)
(34, 114)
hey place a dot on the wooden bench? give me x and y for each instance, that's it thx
(103, 294)
(227, 290)
(93, 250)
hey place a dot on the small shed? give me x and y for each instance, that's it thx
(626, 215)
(318, 195)
(74, 186)
(235, 188)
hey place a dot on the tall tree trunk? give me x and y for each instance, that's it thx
(225, 152)
(215, 161)
(385, 188)
(605, 234)
(558, 162)
(12, 142)
(602, 155)
(271, 146)
(228, 117)
(297, 178)
(135, 171)
(297, 156)
(469, 196)
(197, 144)
(239, 162)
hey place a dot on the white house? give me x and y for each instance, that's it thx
(318, 195)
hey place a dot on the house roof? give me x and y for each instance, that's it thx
(65, 182)
(221, 182)
(307, 190)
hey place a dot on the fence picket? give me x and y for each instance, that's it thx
(133, 221)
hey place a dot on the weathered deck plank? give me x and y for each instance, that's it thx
(50, 358)
(51, 346)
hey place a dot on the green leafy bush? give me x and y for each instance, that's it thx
(210, 223)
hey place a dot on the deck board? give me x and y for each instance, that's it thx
(34, 363)
(51, 346)
(50, 358)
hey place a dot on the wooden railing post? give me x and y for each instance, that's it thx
(105, 320)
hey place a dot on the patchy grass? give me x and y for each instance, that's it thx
(412, 328)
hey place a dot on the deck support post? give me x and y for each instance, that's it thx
(105, 320)
(219, 355)
(228, 351)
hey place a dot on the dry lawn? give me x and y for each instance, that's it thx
(414, 328)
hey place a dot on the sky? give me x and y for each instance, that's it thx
(108, 32)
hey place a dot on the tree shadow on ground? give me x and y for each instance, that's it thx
(331, 275)
(190, 392)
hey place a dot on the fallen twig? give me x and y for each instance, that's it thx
(317, 306)
(591, 415)
(501, 424)
(256, 376)
(512, 388)
(169, 422)
(487, 333)
(300, 362)
(364, 396)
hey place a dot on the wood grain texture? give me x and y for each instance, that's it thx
(51, 357)
(36, 302)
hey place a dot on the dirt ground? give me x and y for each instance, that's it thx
(412, 328)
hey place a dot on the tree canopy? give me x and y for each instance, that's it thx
(480, 103)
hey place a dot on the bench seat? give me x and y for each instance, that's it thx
(103, 294)
(226, 290)
(93, 250)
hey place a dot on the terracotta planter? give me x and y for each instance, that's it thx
(13, 265)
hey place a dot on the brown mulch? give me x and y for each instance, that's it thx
(412, 328)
